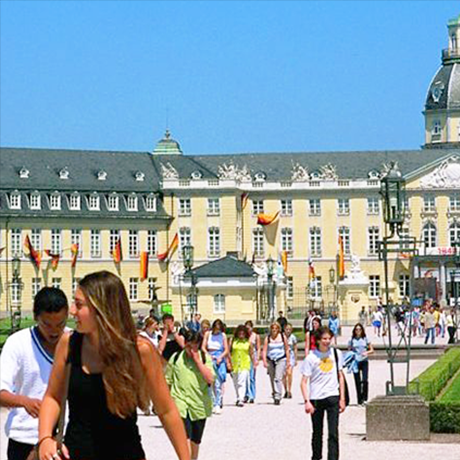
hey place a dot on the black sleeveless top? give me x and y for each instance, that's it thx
(93, 432)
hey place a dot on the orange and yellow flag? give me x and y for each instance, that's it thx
(74, 250)
(54, 258)
(267, 219)
(144, 265)
(34, 255)
(341, 259)
(116, 252)
(169, 252)
(284, 260)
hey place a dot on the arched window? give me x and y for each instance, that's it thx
(453, 41)
(454, 233)
(429, 235)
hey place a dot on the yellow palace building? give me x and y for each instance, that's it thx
(66, 213)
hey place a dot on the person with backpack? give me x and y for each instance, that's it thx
(190, 374)
(323, 390)
(274, 356)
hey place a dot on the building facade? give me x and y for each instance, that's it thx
(237, 211)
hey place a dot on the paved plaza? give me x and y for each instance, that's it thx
(267, 432)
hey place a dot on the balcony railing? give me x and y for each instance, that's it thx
(449, 54)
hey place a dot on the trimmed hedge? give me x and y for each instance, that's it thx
(445, 417)
(435, 378)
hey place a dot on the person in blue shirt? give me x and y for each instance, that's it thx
(334, 325)
(359, 344)
(194, 325)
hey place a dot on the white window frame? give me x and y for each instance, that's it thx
(152, 242)
(56, 241)
(258, 242)
(219, 304)
(113, 202)
(150, 203)
(373, 206)
(16, 242)
(286, 207)
(75, 238)
(74, 202)
(94, 202)
(55, 201)
(343, 206)
(315, 238)
(133, 244)
(454, 203)
(133, 289)
(95, 244)
(373, 237)
(287, 240)
(374, 286)
(213, 242)
(429, 203)
(114, 236)
(454, 233)
(185, 207)
(36, 286)
(289, 287)
(257, 207)
(316, 288)
(314, 207)
(131, 202)
(185, 238)
(430, 235)
(36, 238)
(15, 200)
(344, 232)
(35, 201)
(213, 207)
(404, 285)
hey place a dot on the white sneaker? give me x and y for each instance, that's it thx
(217, 410)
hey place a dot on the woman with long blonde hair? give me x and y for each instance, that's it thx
(113, 371)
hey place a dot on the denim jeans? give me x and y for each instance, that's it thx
(251, 389)
(361, 381)
(331, 407)
(430, 331)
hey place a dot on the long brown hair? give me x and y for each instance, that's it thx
(123, 374)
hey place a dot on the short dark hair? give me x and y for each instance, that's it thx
(192, 337)
(239, 329)
(167, 316)
(320, 332)
(49, 300)
(363, 332)
(218, 322)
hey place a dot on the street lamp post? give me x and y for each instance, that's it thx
(332, 283)
(271, 289)
(187, 258)
(393, 198)
(16, 285)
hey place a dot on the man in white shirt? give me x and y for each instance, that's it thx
(26, 362)
(323, 389)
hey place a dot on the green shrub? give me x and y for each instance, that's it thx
(445, 417)
(435, 378)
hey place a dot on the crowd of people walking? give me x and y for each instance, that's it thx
(107, 369)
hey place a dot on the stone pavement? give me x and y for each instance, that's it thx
(267, 432)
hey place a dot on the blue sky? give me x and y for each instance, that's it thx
(226, 77)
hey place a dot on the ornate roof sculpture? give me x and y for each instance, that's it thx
(168, 171)
(329, 172)
(230, 171)
(299, 173)
(446, 175)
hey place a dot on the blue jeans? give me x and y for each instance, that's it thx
(251, 388)
(221, 375)
(430, 331)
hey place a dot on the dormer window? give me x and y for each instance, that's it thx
(64, 173)
(15, 200)
(112, 202)
(131, 203)
(315, 175)
(93, 202)
(74, 202)
(35, 201)
(260, 177)
(55, 202)
(140, 176)
(196, 175)
(150, 203)
(24, 173)
(101, 175)
(373, 174)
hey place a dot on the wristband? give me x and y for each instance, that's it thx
(39, 443)
(306, 402)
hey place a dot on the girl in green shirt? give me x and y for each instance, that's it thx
(242, 354)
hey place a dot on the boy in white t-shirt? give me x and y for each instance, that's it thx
(26, 362)
(323, 389)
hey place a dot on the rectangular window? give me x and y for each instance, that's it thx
(113, 239)
(373, 205)
(16, 242)
(343, 206)
(56, 241)
(75, 282)
(152, 242)
(429, 203)
(213, 206)
(185, 238)
(258, 243)
(315, 207)
(403, 237)
(317, 288)
(344, 232)
(257, 207)
(95, 243)
(36, 286)
(185, 207)
(374, 286)
(36, 239)
(454, 203)
(219, 303)
(132, 203)
(56, 282)
(15, 200)
(74, 202)
(55, 202)
(93, 203)
(315, 242)
(214, 242)
(150, 203)
(404, 285)
(286, 207)
(133, 288)
(35, 201)
(133, 244)
(113, 202)
(290, 287)
(75, 238)
(287, 240)
(16, 291)
(373, 237)
(151, 286)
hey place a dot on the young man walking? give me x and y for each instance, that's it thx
(26, 361)
(323, 390)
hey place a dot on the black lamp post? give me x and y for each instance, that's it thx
(332, 283)
(393, 195)
(271, 289)
(187, 258)
(17, 285)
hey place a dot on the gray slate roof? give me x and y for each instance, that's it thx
(448, 77)
(227, 267)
